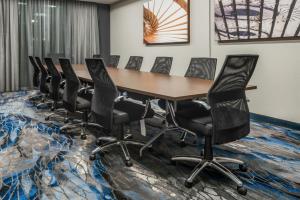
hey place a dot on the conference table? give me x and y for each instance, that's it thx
(167, 87)
(154, 85)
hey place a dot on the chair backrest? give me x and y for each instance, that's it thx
(105, 93)
(134, 63)
(162, 65)
(204, 68)
(44, 76)
(55, 57)
(72, 85)
(97, 56)
(36, 72)
(55, 78)
(114, 60)
(227, 98)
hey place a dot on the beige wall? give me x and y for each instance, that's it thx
(277, 74)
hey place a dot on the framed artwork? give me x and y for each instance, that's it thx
(166, 22)
(257, 20)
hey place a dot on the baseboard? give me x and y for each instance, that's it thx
(275, 121)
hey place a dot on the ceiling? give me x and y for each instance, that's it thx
(103, 1)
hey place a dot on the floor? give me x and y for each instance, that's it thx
(39, 162)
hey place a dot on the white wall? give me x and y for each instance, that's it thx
(277, 74)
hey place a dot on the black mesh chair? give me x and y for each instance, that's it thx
(97, 56)
(36, 73)
(226, 118)
(135, 63)
(71, 101)
(55, 89)
(44, 78)
(114, 61)
(55, 82)
(204, 68)
(111, 110)
(44, 84)
(162, 65)
(35, 79)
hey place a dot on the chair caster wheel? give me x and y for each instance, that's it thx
(83, 137)
(188, 184)
(241, 190)
(243, 168)
(128, 163)
(47, 118)
(92, 157)
(66, 120)
(182, 144)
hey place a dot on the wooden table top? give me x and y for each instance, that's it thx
(172, 88)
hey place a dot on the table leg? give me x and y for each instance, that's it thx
(168, 126)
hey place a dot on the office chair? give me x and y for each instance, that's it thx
(203, 68)
(36, 72)
(72, 102)
(56, 89)
(44, 83)
(55, 82)
(114, 61)
(162, 65)
(226, 118)
(134, 63)
(111, 110)
(35, 78)
(97, 56)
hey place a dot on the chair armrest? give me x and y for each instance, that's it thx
(119, 98)
(202, 103)
(62, 84)
(85, 89)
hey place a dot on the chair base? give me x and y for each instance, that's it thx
(56, 113)
(82, 126)
(46, 104)
(115, 142)
(36, 97)
(215, 164)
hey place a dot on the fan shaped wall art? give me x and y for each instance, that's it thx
(166, 21)
(248, 20)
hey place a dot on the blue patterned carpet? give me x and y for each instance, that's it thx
(39, 162)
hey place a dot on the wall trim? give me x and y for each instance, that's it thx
(275, 121)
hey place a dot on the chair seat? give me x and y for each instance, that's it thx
(120, 117)
(196, 119)
(83, 104)
(135, 110)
